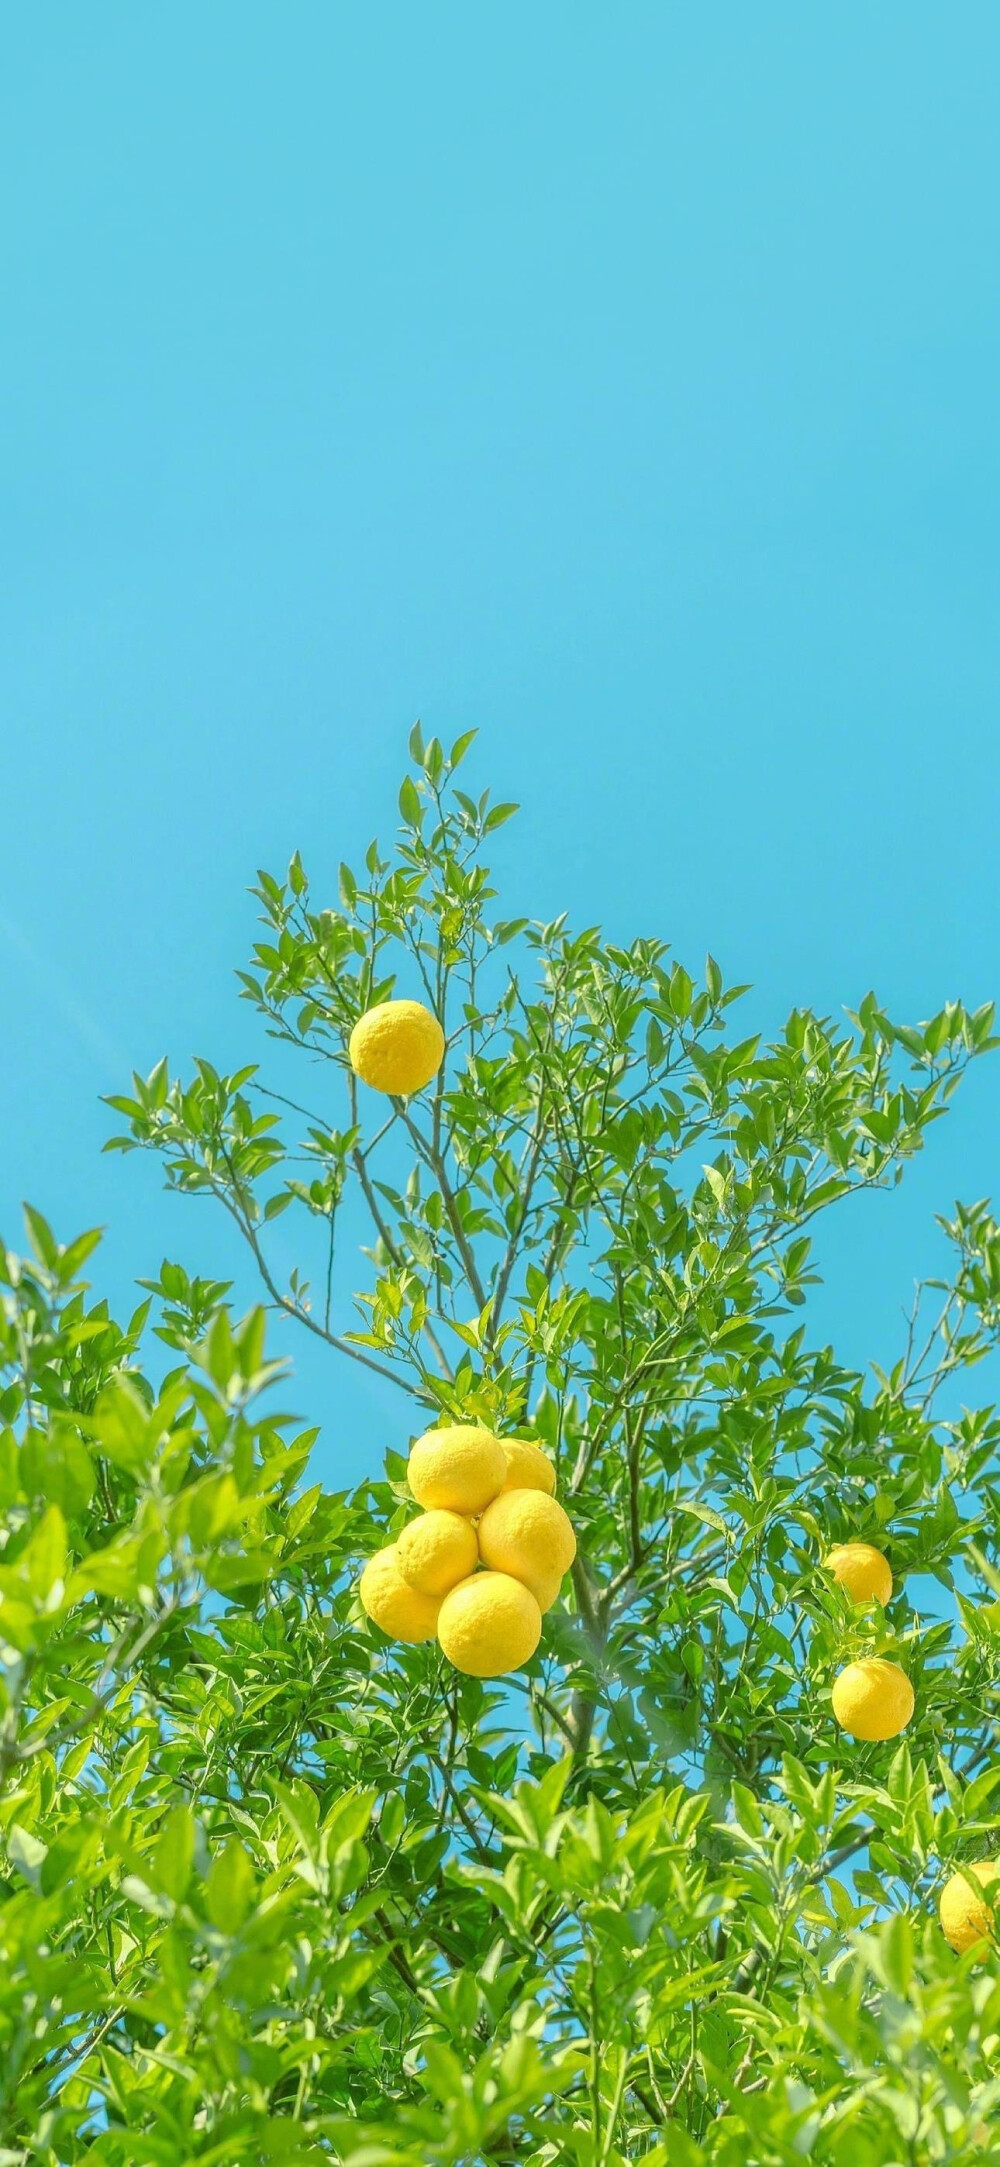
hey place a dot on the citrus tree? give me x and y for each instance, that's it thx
(277, 1887)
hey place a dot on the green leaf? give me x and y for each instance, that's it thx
(27, 1852)
(409, 802)
(76, 1254)
(897, 1953)
(45, 1556)
(348, 1818)
(43, 1241)
(298, 1810)
(496, 817)
(57, 1467)
(10, 1482)
(460, 748)
(173, 1854)
(230, 1888)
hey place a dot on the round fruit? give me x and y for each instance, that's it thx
(437, 1551)
(528, 1534)
(397, 1047)
(528, 1467)
(489, 1625)
(392, 1603)
(873, 1699)
(458, 1470)
(964, 1919)
(862, 1570)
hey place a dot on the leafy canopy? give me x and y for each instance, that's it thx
(273, 1889)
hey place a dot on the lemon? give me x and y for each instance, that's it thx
(546, 1589)
(397, 1046)
(456, 1470)
(527, 1534)
(437, 1551)
(862, 1570)
(392, 1603)
(964, 1920)
(528, 1467)
(489, 1625)
(873, 1699)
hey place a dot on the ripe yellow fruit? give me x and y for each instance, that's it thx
(456, 1470)
(528, 1467)
(964, 1920)
(392, 1603)
(873, 1699)
(437, 1551)
(527, 1534)
(397, 1047)
(862, 1570)
(489, 1625)
(545, 1588)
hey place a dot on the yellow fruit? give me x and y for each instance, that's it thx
(873, 1699)
(437, 1551)
(489, 1625)
(546, 1590)
(392, 1603)
(397, 1047)
(964, 1920)
(528, 1467)
(527, 1534)
(456, 1470)
(862, 1570)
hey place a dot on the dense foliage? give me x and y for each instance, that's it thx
(275, 1890)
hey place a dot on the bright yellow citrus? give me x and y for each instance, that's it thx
(862, 1570)
(436, 1551)
(397, 1047)
(964, 1920)
(489, 1625)
(528, 1467)
(873, 1699)
(546, 1589)
(457, 1470)
(392, 1603)
(527, 1534)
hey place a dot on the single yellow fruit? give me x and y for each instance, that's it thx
(964, 1920)
(392, 1603)
(862, 1570)
(489, 1625)
(456, 1470)
(527, 1534)
(545, 1588)
(528, 1467)
(397, 1047)
(873, 1699)
(437, 1551)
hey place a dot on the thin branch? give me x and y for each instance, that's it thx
(393, 1252)
(432, 1157)
(293, 1309)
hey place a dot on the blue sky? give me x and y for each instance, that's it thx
(620, 381)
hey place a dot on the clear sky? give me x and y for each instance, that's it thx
(623, 381)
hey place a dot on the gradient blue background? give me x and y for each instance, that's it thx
(622, 381)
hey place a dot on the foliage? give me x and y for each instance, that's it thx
(273, 1890)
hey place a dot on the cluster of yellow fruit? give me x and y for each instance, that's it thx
(483, 1560)
(873, 1699)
